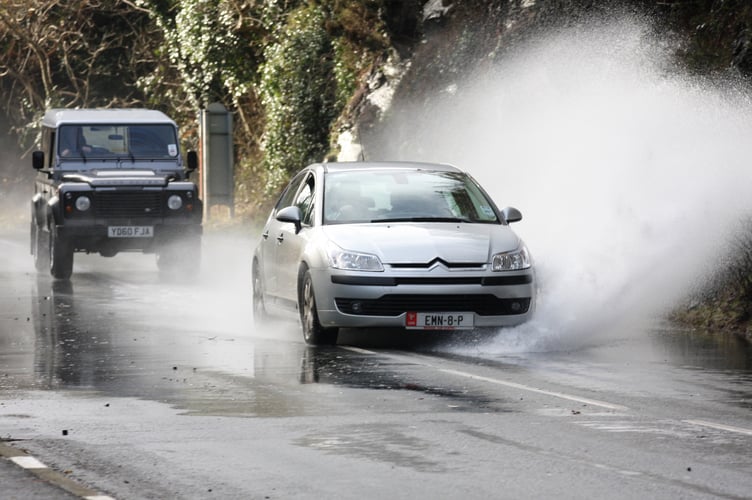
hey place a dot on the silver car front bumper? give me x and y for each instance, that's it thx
(352, 300)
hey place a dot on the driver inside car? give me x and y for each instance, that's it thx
(72, 141)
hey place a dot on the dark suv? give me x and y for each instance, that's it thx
(113, 180)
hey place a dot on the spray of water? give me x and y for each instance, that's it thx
(630, 173)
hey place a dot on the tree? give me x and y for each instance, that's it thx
(69, 53)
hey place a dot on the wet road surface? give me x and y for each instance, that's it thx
(138, 386)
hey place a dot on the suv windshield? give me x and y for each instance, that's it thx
(404, 195)
(131, 141)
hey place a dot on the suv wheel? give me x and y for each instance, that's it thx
(61, 256)
(40, 241)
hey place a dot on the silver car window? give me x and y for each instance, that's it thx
(304, 201)
(404, 195)
(288, 195)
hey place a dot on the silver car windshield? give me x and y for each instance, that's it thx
(403, 196)
(148, 141)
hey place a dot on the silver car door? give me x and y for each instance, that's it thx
(291, 242)
(272, 237)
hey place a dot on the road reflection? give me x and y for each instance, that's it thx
(715, 360)
(137, 339)
(83, 341)
(704, 349)
(68, 352)
(376, 372)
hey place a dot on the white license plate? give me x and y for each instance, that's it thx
(439, 321)
(130, 231)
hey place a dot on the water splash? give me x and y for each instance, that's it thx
(630, 173)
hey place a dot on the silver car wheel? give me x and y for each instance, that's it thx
(309, 309)
(259, 308)
(313, 333)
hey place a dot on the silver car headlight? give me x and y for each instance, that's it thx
(511, 261)
(352, 261)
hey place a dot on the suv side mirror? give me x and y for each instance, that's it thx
(191, 160)
(37, 160)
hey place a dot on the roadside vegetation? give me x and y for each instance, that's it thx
(724, 302)
(287, 69)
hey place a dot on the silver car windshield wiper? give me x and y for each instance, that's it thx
(423, 219)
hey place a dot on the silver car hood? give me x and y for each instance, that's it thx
(421, 243)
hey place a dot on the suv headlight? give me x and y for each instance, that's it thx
(175, 202)
(511, 261)
(83, 203)
(352, 261)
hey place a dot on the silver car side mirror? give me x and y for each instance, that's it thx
(511, 214)
(291, 214)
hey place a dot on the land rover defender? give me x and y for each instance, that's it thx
(109, 181)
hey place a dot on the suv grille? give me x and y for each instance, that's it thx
(128, 204)
(394, 305)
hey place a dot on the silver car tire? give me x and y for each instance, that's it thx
(259, 308)
(313, 332)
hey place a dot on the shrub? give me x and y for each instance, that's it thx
(298, 89)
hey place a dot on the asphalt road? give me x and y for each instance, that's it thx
(126, 385)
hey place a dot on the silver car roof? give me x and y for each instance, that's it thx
(110, 116)
(385, 165)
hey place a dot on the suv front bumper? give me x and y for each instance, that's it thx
(88, 236)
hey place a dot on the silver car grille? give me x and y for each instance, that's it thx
(396, 304)
(448, 265)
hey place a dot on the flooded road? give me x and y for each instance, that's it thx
(136, 386)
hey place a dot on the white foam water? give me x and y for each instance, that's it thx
(630, 173)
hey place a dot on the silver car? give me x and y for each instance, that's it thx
(408, 245)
